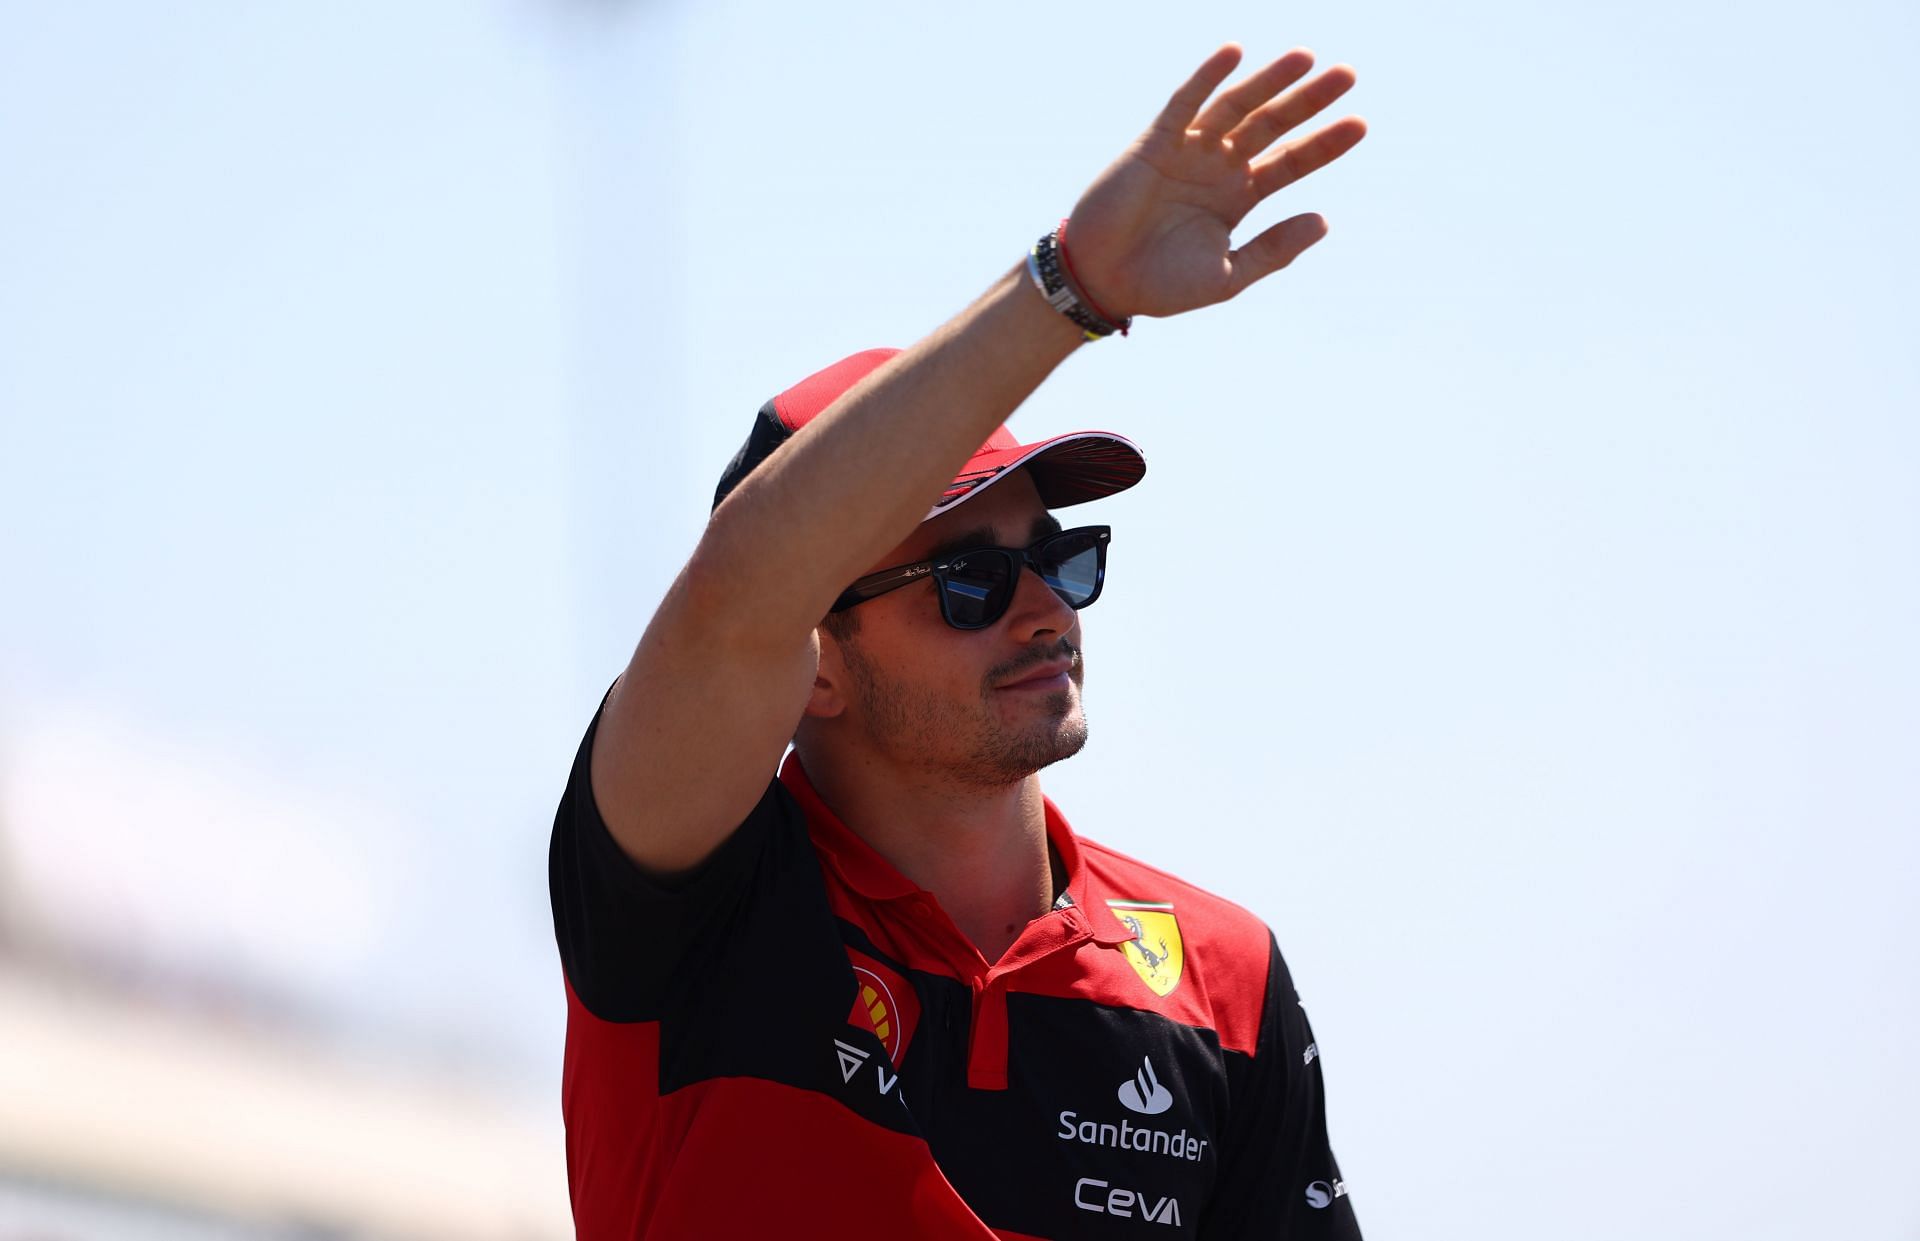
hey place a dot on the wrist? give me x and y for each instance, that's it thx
(1050, 271)
(1046, 325)
(1099, 305)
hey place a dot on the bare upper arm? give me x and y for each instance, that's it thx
(693, 729)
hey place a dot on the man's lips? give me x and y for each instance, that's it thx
(1051, 675)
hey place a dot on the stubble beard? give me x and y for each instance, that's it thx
(970, 743)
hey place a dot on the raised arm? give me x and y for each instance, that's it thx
(722, 674)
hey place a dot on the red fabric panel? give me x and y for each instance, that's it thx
(611, 1076)
(987, 1047)
(829, 1174)
(821, 1170)
(1223, 981)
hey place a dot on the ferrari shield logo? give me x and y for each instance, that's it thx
(1154, 951)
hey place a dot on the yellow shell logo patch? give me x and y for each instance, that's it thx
(1154, 951)
(884, 1003)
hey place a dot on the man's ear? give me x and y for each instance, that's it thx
(830, 675)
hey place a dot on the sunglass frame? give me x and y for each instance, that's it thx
(878, 583)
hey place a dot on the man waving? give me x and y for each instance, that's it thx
(890, 991)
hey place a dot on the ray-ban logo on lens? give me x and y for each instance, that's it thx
(1144, 1093)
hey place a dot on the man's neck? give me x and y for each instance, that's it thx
(982, 852)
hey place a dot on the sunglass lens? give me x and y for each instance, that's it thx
(978, 589)
(1071, 566)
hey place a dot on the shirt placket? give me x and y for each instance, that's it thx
(1060, 930)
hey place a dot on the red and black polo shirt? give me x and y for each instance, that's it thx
(798, 1042)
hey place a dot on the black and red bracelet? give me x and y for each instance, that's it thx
(1053, 275)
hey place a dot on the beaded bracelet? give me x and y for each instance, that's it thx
(1052, 274)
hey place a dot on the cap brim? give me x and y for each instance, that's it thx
(1066, 469)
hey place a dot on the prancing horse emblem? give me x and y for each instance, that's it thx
(1140, 941)
(1155, 950)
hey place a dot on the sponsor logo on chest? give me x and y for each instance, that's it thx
(1147, 1095)
(1320, 1194)
(1119, 1193)
(1103, 1198)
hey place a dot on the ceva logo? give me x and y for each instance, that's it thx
(1103, 1198)
(1144, 1093)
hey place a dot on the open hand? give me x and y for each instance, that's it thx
(1152, 234)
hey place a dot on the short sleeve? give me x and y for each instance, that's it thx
(1278, 1179)
(623, 936)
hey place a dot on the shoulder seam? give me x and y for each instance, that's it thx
(1187, 884)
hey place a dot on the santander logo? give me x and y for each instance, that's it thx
(1143, 1093)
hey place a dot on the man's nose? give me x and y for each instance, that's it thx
(1036, 610)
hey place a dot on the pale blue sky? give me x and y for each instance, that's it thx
(1519, 612)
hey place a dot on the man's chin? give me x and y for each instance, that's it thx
(1038, 747)
(1067, 739)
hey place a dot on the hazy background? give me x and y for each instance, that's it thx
(1519, 613)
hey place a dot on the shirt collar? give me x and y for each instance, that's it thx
(858, 863)
(1085, 888)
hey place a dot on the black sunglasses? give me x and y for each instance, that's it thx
(977, 585)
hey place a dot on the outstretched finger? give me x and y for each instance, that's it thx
(1244, 96)
(1274, 249)
(1302, 156)
(1257, 132)
(1186, 102)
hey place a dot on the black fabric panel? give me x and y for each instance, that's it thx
(741, 963)
(622, 934)
(1280, 1178)
(1004, 1150)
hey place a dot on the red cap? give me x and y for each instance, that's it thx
(1066, 469)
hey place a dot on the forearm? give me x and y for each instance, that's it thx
(856, 480)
